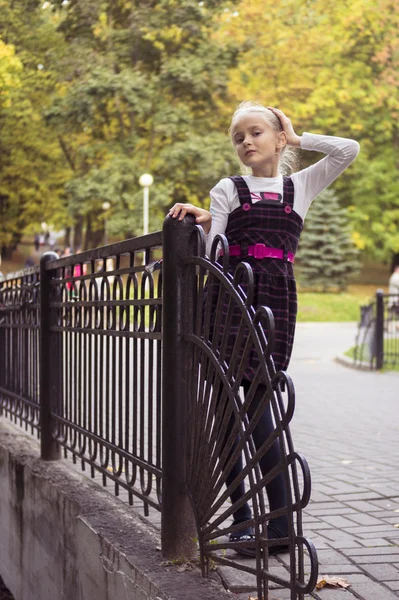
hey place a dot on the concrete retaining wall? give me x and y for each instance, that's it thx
(62, 537)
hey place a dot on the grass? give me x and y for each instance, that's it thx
(391, 346)
(334, 307)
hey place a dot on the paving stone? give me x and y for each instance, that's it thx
(334, 509)
(336, 535)
(373, 591)
(364, 519)
(239, 581)
(375, 542)
(331, 557)
(321, 526)
(360, 496)
(381, 572)
(387, 503)
(345, 545)
(371, 529)
(319, 496)
(321, 505)
(334, 594)
(386, 558)
(386, 514)
(392, 550)
(338, 521)
(392, 519)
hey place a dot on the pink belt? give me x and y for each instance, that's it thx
(260, 251)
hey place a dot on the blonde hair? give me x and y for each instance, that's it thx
(288, 156)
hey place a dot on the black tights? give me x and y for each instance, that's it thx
(276, 489)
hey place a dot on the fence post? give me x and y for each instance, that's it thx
(178, 529)
(379, 329)
(50, 450)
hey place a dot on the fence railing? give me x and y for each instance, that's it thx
(93, 359)
(377, 340)
(81, 346)
(20, 348)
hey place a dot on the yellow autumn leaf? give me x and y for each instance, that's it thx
(335, 582)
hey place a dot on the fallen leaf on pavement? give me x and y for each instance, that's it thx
(335, 582)
(185, 567)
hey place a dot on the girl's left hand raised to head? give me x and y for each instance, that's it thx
(202, 217)
(292, 138)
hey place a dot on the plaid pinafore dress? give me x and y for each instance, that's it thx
(274, 224)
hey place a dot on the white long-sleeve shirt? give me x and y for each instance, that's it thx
(308, 183)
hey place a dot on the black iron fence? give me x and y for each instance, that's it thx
(112, 360)
(377, 340)
(93, 359)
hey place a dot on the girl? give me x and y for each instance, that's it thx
(262, 216)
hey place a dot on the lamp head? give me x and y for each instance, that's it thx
(146, 180)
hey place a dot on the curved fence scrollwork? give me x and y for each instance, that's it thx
(19, 348)
(106, 324)
(222, 421)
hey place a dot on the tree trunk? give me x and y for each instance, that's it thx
(87, 242)
(78, 233)
(67, 240)
(394, 261)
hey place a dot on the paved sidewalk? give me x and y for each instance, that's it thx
(347, 425)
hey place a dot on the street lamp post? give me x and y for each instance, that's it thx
(105, 206)
(146, 180)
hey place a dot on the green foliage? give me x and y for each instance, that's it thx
(32, 172)
(138, 95)
(96, 92)
(327, 255)
(333, 68)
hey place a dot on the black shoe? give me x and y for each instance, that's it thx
(245, 535)
(274, 534)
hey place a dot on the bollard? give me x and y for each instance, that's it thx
(49, 448)
(379, 330)
(178, 529)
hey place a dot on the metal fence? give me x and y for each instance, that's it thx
(19, 348)
(102, 356)
(95, 361)
(377, 340)
(217, 423)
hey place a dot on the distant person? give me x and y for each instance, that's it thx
(67, 251)
(51, 240)
(29, 262)
(36, 242)
(394, 282)
(393, 291)
(79, 269)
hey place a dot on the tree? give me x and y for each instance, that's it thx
(333, 68)
(138, 93)
(32, 170)
(327, 255)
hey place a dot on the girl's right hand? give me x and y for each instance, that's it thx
(202, 217)
(292, 138)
